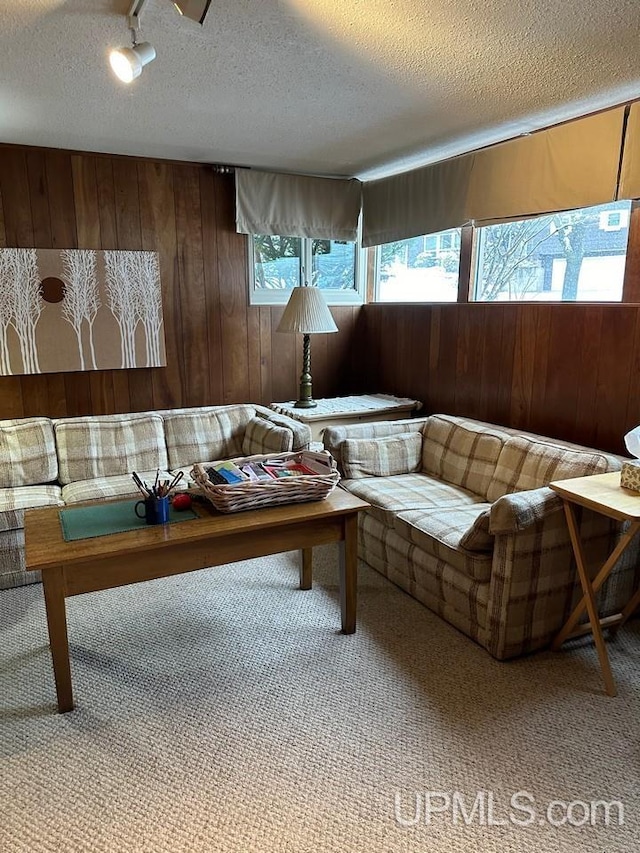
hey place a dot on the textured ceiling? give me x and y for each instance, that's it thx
(351, 87)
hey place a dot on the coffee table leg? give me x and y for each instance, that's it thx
(306, 565)
(349, 574)
(53, 583)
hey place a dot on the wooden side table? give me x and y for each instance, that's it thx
(601, 493)
(342, 411)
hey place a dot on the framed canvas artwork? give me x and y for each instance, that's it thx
(79, 309)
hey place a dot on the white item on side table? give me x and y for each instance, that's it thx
(341, 411)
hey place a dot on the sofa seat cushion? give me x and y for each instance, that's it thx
(461, 452)
(388, 456)
(27, 452)
(13, 503)
(439, 531)
(263, 436)
(109, 445)
(213, 432)
(121, 486)
(391, 495)
(525, 464)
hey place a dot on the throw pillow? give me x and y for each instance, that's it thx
(262, 436)
(381, 457)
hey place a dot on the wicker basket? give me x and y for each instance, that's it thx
(257, 495)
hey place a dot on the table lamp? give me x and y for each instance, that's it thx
(307, 313)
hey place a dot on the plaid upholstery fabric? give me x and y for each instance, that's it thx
(534, 583)
(478, 537)
(454, 596)
(333, 436)
(520, 510)
(12, 570)
(438, 532)
(381, 457)
(263, 436)
(301, 432)
(526, 464)
(13, 503)
(110, 445)
(391, 495)
(214, 432)
(108, 487)
(27, 452)
(460, 452)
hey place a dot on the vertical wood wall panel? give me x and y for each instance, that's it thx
(232, 273)
(219, 349)
(564, 370)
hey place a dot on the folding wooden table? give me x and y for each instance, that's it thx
(601, 493)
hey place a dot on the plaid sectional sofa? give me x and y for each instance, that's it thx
(47, 462)
(462, 519)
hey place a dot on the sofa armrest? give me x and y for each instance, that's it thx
(519, 510)
(301, 432)
(333, 437)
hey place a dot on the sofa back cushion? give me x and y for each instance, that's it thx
(263, 436)
(461, 452)
(203, 434)
(27, 453)
(526, 464)
(109, 445)
(381, 457)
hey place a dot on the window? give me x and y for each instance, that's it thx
(421, 269)
(578, 255)
(278, 264)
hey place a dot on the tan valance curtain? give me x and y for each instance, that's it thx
(297, 205)
(630, 173)
(565, 167)
(422, 201)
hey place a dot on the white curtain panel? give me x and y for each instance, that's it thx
(297, 205)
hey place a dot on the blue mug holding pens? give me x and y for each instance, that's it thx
(156, 510)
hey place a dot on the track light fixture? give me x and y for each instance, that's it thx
(127, 62)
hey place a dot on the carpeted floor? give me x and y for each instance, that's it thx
(223, 711)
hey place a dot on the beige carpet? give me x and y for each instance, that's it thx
(223, 711)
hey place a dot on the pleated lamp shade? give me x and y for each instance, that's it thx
(307, 313)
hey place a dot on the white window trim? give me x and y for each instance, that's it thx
(376, 275)
(355, 296)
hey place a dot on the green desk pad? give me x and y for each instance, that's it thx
(85, 522)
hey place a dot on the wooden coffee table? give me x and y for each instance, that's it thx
(213, 539)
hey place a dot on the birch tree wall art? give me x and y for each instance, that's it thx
(79, 309)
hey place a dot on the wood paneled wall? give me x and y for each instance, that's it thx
(566, 370)
(219, 348)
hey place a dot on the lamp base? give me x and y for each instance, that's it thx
(305, 395)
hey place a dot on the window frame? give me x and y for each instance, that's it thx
(468, 252)
(374, 288)
(280, 296)
(630, 262)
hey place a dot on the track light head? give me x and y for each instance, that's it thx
(127, 62)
